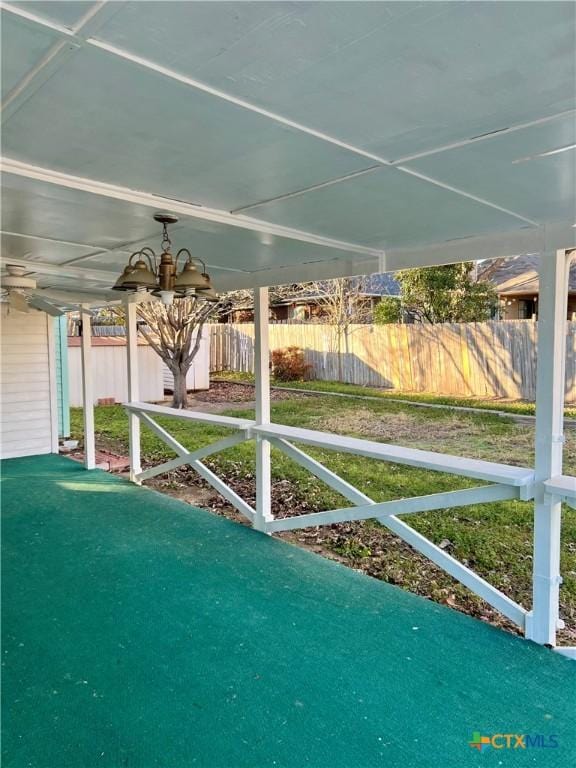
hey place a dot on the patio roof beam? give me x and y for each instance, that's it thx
(79, 37)
(156, 202)
(125, 248)
(520, 241)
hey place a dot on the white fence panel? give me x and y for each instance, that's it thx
(199, 374)
(109, 373)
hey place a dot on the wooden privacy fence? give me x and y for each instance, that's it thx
(494, 359)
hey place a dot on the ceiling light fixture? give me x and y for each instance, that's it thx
(159, 275)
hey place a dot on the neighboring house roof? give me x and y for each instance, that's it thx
(382, 284)
(519, 275)
(378, 284)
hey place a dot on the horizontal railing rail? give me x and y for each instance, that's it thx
(200, 416)
(563, 486)
(414, 457)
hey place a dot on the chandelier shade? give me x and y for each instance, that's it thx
(189, 279)
(209, 294)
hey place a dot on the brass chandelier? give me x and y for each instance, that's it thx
(159, 276)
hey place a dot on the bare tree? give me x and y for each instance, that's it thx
(175, 332)
(341, 303)
(487, 269)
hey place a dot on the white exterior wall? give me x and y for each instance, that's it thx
(199, 374)
(110, 375)
(28, 416)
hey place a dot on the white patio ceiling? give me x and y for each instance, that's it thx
(295, 140)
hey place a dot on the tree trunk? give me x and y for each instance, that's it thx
(180, 398)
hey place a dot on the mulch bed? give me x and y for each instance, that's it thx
(231, 392)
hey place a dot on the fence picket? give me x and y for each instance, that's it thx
(492, 359)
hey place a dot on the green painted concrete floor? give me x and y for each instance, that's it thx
(139, 631)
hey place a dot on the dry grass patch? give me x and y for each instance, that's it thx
(457, 433)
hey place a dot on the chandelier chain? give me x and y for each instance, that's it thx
(166, 242)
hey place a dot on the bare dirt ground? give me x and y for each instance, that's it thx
(225, 395)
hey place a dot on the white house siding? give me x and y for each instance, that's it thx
(199, 374)
(109, 374)
(28, 416)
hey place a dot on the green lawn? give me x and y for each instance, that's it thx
(493, 539)
(520, 407)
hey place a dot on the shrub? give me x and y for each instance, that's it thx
(288, 364)
(388, 310)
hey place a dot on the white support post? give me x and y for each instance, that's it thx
(543, 621)
(262, 373)
(87, 391)
(133, 389)
(54, 425)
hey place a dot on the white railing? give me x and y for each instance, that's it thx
(144, 412)
(563, 486)
(504, 483)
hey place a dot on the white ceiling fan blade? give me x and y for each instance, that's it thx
(46, 306)
(18, 302)
(55, 306)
